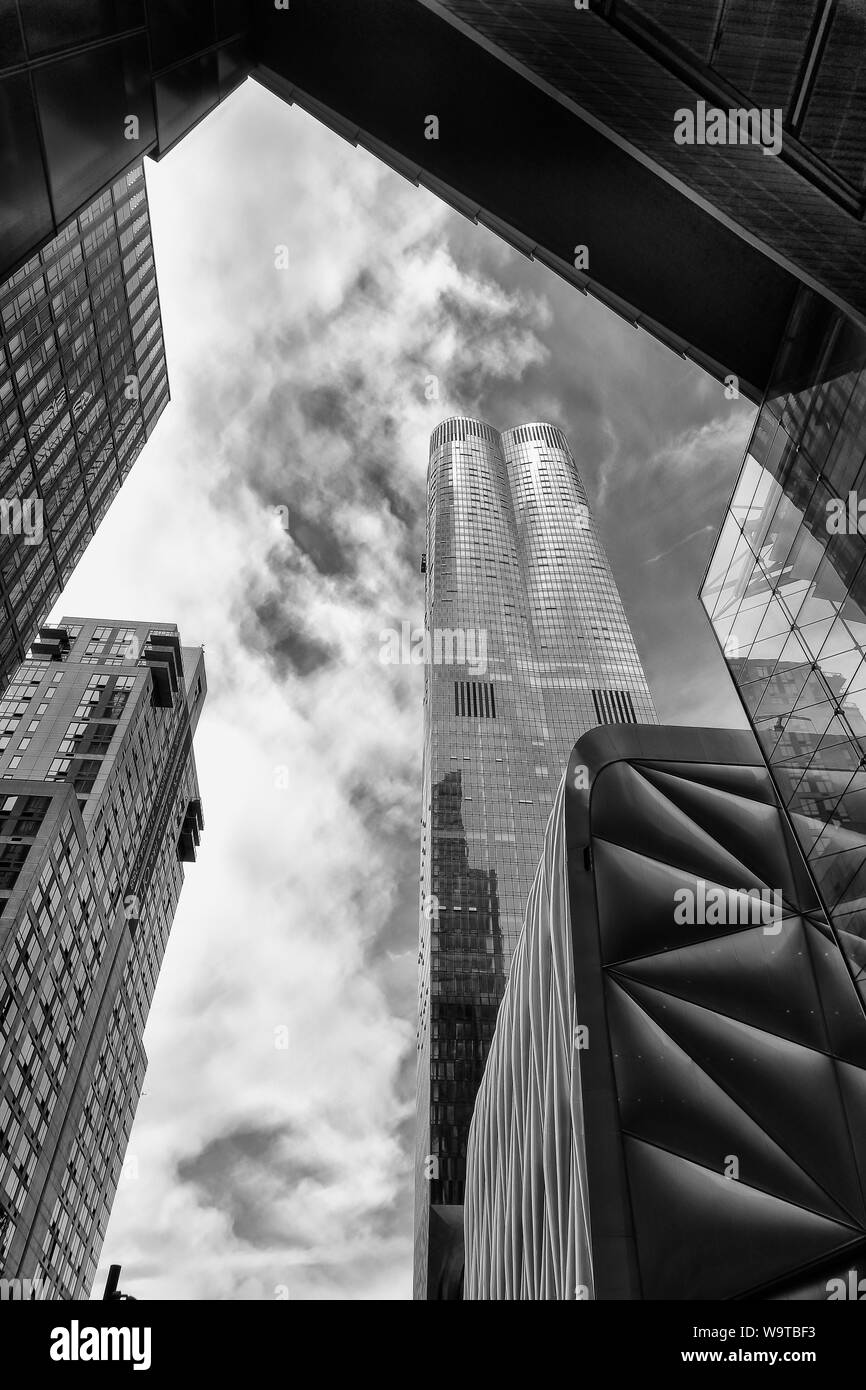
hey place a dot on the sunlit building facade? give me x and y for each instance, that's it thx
(99, 812)
(539, 650)
(82, 383)
(786, 593)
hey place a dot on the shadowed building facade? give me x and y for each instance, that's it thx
(555, 129)
(639, 1132)
(538, 650)
(99, 812)
(82, 384)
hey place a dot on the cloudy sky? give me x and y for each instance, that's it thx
(271, 1152)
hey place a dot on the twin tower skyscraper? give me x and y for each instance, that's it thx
(515, 567)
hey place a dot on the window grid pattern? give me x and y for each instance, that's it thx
(82, 937)
(512, 553)
(82, 380)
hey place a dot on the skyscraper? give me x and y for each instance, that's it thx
(530, 647)
(678, 1002)
(82, 383)
(100, 811)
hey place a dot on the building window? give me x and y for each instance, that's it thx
(474, 699)
(613, 707)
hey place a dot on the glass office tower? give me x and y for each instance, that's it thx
(88, 89)
(786, 593)
(82, 383)
(529, 648)
(100, 811)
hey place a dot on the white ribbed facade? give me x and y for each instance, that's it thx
(525, 1174)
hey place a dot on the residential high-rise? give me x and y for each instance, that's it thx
(101, 809)
(529, 648)
(785, 591)
(677, 1004)
(82, 383)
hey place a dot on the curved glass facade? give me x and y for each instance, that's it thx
(529, 647)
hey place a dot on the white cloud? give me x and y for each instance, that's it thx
(260, 1166)
(305, 388)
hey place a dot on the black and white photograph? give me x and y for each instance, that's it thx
(433, 661)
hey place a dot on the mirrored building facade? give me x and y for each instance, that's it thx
(88, 89)
(639, 1131)
(99, 811)
(529, 647)
(786, 593)
(82, 383)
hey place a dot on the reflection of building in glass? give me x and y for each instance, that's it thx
(515, 566)
(468, 969)
(789, 697)
(82, 384)
(787, 599)
(100, 810)
(643, 1099)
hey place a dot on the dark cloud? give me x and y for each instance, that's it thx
(239, 1174)
(281, 641)
(326, 408)
(320, 542)
(403, 496)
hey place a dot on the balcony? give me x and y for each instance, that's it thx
(52, 643)
(190, 832)
(161, 652)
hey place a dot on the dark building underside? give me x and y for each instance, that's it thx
(555, 130)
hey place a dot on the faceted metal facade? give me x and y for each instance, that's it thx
(82, 383)
(639, 1132)
(786, 595)
(515, 566)
(100, 810)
